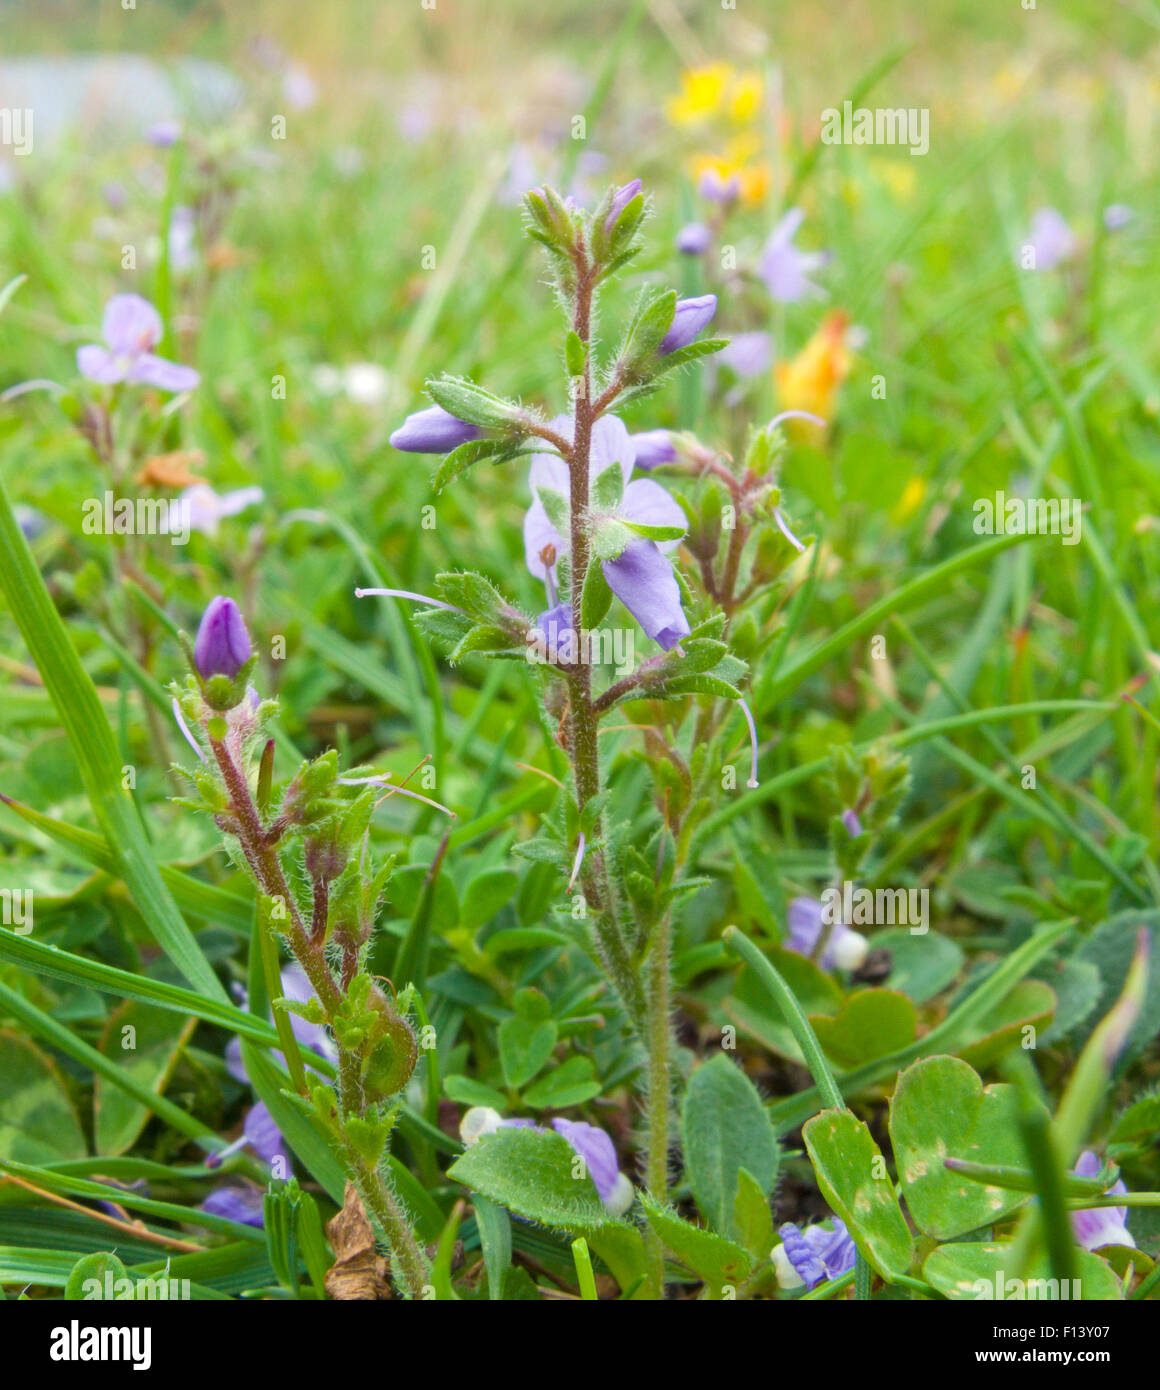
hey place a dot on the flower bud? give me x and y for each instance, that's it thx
(433, 431)
(223, 645)
(691, 317)
(620, 200)
(694, 239)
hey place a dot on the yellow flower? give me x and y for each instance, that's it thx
(702, 92)
(910, 500)
(811, 380)
(899, 176)
(745, 98)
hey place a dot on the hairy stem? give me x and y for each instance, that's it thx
(659, 1079)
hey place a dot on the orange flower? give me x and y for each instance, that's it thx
(812, 379)
(172, 470)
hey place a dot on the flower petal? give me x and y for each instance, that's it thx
(130, 325)
(649, 504)
(166, 376)
(642, 578)
(98, 364)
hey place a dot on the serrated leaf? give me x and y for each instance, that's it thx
(717, 1260)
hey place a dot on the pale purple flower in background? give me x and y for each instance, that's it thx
(433, 431)
(1050, 241)
(589, 1141)
(31, 522)
(653, 447)
(852, 823)
(207, 508)
(748, 354)
(296, 987)
(523, 172)
(131, 328)
(642, 575)
(163, 134)
(715, 189)
(786, 270)
(114, 195)
(1117, 216)
(182, 239)
(807, 1257)
(845, 949)
(1100, 1226)
(299, 88)
(694, 239)
(241, 1204)
(690, 319)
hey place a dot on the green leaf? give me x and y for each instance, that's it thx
(596, 596)
(846, 1160)
(467, 401)
(157, 1038)
(870, 1024)
(476, 451)
(724, 1128)
(752, 1218)
(718, 1261)
(465, 1090)
(977, 1270)
(921, 966)
(1030, 1004)
(1111, 947)
(93, 1274)
(524, 1047)
(37, 1121)
(485, 895)
(575, 353)
(495, 1239)
(535, 1174)
(941, 1110)
(571, 1083)
(95, 750)
(302, 1132)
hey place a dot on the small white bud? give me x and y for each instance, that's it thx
(478, 1121)
(621, 1197)
(787, 1276)
(850, 950)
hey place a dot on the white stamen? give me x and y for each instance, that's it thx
(795, 415)
(748, 713)
(184, 727)
(406, 593)
(579, 859)
(786, 532)
(385, 781)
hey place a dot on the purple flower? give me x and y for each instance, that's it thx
(1117, 216)
(852, 823)
(749, 354)
(692, 316)
(652, 447)
(784, 268)
(1100, 1226)
(716, 189)
(589, 1141)
(242, 1204)
(207, 508)
(555, 626)
(694, 239)
(845, 948)
(807, 1257)
(296, 987)
(1050, 240)
(642, 575)
(164, 134)
(223, 645)
(620, 200)
(132, 327)
(433, 431)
